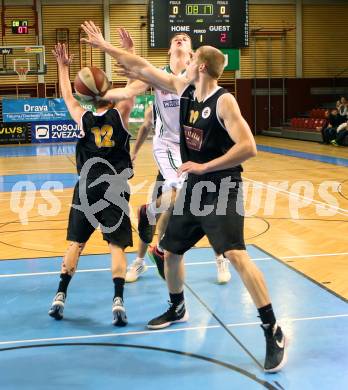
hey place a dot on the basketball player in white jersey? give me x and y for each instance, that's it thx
(166, 151)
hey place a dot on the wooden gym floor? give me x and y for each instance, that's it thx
(296, 204)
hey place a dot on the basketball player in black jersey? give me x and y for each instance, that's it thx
(104, 165)
(215, 139)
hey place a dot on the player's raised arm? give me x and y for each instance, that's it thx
(64, 61)
(134, 63)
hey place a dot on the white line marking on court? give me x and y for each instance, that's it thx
(293, 194)
(146, 332)
(188, 264)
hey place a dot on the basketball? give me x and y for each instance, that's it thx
(91, 82)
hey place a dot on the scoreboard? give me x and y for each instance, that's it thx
(219, 23)
(19, 26)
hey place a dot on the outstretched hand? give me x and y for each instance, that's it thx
(125, 72)
(126, 40)
(95, 37)
(61, 54)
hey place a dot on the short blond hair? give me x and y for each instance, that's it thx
(213, 59)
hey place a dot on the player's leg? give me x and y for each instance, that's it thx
(255, 283)
(165, 202)
(68, 268)
(181, 234)
(226, 234)
(78, 232)
(146, 233)
(118, 272)
(117, 231)
(175, 276)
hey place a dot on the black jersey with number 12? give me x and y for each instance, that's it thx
(106, 138)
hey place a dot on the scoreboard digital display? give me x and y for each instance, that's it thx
(220, 23)
(19, 27)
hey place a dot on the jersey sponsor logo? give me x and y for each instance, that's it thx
(206, 112)
(171, 103)
(193, 137)
(193, 116)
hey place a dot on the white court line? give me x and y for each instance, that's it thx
(101, 269)
(189, 264)
(339, 210)
(146, 332)
(39, 197)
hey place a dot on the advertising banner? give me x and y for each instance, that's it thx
(56, 131)
(37, 110)
(14, 132)
(137, 114)
(140, 105)
(34, 110)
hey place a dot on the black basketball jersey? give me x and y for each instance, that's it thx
(203, 136)
(106, 138)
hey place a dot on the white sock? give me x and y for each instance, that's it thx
(219, 257)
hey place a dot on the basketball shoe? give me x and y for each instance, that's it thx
(57, 308)
(137, 268)
(223, 273)
(276, 355)
(175, 313)
(119, 312)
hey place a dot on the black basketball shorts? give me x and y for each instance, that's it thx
(223, 225)
(113, 219)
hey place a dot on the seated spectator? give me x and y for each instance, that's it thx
(325, 123)
(342, 106)
(329, 133)
(341, 134)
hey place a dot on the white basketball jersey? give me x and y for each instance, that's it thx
(167, 115)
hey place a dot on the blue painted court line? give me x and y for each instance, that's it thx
(308, 156)
(7, 182)
(315, 321)
(37, 150)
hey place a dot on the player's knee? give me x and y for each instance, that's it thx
(236, 258)
(79, 246)
(171, 257)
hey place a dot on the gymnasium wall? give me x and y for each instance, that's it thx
(268, 59)
(71, 17)
(10, 39)
(269, 54)
(324, 41)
